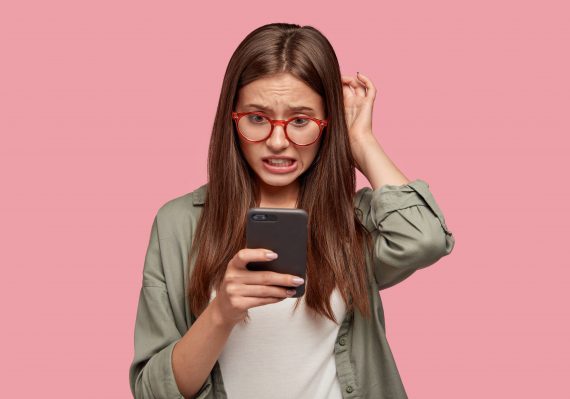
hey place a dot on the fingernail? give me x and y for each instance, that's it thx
(291, 292)
(298, 280)
(271, 255)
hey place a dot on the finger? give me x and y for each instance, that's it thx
(268, 278)
(346, 87)
(347, 91)
(361, 87)
(370, 88)
(346, 78)
(247, 255)
(263, 291)
(357, 86)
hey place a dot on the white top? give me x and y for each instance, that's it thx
(281, 353)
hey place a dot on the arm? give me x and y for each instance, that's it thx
(407, 225)
(166, 363)
(171, 358)
(408, 229)
(196, 353)
(373, 162)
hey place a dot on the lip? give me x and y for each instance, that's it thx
(275, 157)
(280, 169)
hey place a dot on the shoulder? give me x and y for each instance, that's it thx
(180, 213)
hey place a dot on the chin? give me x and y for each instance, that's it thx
(278, 181)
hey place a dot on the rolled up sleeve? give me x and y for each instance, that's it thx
(150, 374)
(408, 229)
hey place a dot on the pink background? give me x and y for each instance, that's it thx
(105, 114)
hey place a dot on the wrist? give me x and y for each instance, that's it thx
(364, 149)
(217, 317)
(363, 141)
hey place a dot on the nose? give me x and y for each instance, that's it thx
(278, 139)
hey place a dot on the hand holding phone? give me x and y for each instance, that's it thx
(242, 289)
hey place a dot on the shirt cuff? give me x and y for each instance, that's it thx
(391, 197)
(162, 374)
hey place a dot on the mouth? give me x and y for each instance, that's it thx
(279, 161)
(280, 164)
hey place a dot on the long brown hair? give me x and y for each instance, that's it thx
(337, 239)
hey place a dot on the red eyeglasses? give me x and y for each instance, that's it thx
(301, 130)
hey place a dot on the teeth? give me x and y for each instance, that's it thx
(280, 162)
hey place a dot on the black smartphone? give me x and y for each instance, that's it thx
(284, 231)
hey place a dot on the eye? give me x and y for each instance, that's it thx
(256, 118)
(300, 122)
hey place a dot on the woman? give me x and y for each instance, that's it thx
(208, 327)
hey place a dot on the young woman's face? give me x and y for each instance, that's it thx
(277, 94)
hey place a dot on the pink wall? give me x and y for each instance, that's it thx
(105, 114)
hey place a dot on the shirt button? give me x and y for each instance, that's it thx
(349, 389)
(342, 341)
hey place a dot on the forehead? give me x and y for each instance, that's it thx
(279, 91)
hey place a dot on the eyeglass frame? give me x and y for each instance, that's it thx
(236, 116)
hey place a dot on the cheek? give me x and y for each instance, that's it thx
(308, 157)
(249, 152)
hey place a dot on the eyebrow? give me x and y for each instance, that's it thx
(300, 108)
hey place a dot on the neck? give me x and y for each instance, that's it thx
(279, 197)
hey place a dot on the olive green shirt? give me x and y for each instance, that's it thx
(409, 233)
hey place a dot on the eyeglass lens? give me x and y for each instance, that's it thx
(300, 130)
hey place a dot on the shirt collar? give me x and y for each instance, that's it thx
(199, 195)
